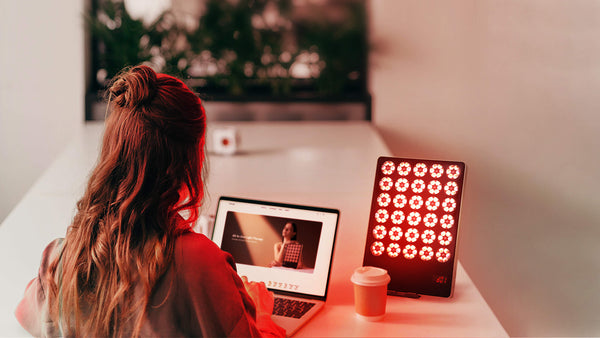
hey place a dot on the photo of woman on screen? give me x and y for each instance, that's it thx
(288, 252)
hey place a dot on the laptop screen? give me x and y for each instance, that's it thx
(253, 233)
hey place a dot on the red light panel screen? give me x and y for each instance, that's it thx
(413, 224)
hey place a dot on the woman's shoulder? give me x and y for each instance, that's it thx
(191, 242)
(194, 249)
(51, 251)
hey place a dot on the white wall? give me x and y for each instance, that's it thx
(41, 89)
(512, 88)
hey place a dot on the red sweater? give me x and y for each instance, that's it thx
(200, 295)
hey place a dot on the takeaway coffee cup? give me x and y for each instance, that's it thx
(370, 292)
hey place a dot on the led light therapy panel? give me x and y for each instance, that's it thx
(413, 224)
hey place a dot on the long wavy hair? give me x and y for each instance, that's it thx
(149, 172)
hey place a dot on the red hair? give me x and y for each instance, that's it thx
(149, 171)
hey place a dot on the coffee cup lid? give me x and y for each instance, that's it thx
(370, 276)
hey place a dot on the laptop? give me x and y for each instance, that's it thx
(250, 230)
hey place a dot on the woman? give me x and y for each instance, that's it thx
(289, 236)
(129, 264)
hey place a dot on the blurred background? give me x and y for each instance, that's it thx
(509, 87)
(242, 56)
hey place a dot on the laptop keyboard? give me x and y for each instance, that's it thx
(291, 307)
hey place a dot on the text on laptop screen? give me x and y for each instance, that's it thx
(252, 232)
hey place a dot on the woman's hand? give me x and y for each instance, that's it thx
(263, 298)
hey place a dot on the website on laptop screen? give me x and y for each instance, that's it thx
(252, 232)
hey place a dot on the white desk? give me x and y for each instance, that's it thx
(328, 164)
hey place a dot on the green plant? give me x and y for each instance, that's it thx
(239, 47)
(118, 37)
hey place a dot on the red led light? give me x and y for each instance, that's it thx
(379, 232)
(409, 251)
(416, 202)
(449, 204)
(388, 167)
(451, 188)
(418, 186)
(400, 201)
(412, 235)
(377, 248)
(381, 216)
(402, 184)
(447, 221)
(395, 233)
(383, 199)
(413, 225)
(420, 169)
(432, 203)
(428, 236)
(453, 172)
(436, 171)
(445, 238)
(404, 168)
(443, 255)
(393, 250)
(430, 220)
(434, 187)
(397, 217)
(386, 184)
(426, 253)
(414, 218)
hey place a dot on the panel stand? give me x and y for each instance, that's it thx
(404, 294)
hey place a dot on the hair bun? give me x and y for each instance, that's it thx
(134, 87)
